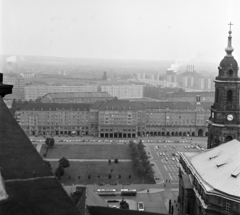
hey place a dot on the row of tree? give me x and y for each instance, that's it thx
(141, 164)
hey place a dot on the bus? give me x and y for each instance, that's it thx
(140, 206)
(107, 192)
(128, 192)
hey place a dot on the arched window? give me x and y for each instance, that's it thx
(217, 95)
(230, 72)
(229, 95)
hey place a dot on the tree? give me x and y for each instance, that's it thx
(64, 162)
(48, 164)
(89, 177)
(130, 176)
(109, 161)
(50, 142)
(116, 160)
(109, 175)
(124, 204)
(59, 172)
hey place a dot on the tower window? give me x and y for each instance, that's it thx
(230, 72)
(217, 95)
(229, 95)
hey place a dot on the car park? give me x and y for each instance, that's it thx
(173, 159)
(163, 154)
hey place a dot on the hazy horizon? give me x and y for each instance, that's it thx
(180, 31)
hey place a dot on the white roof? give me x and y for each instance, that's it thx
(219, 167)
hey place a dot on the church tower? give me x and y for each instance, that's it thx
(224, 122)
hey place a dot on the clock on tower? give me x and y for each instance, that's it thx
(225, 125)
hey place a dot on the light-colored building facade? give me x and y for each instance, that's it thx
(116, 118)
(33, 92)
(123, 91)
(79, 97)
(56, 119)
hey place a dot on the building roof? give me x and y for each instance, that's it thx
(56, 106)
(229, 62)
(134, 105)
(29, 184)
(120, 104)
(219, 168)
(68, 95)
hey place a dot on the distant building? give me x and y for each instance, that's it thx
(33, 92)
(209, 181)
(81, 97)
(206, 96)
(154, 80)
(123, 91)
(18, 85)
(27, 75)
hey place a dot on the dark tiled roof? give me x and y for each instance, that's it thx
(176, 105)
(96, 210)
(133, 105)
(31, 187)
(96, 105)
(120, 105)
(228, 62)
(57, 106)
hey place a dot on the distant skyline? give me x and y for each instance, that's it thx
(180, 30)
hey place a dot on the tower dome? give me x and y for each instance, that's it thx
(228, 61)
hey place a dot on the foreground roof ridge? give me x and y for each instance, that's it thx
(29, 179)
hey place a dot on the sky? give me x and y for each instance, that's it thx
(180, 30)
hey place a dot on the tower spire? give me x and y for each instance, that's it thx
(229, 48)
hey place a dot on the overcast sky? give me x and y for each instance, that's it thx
(120, 29)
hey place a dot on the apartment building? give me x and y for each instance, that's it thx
(116, 119)
(56, 119)
(33, 92)
(123, 91)
(76, 97)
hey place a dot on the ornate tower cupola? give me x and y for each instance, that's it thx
(224, 122)
(228, 67)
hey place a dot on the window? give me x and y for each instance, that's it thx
(229, 95)
(230, 72)
(217, 95)
(227, 205)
